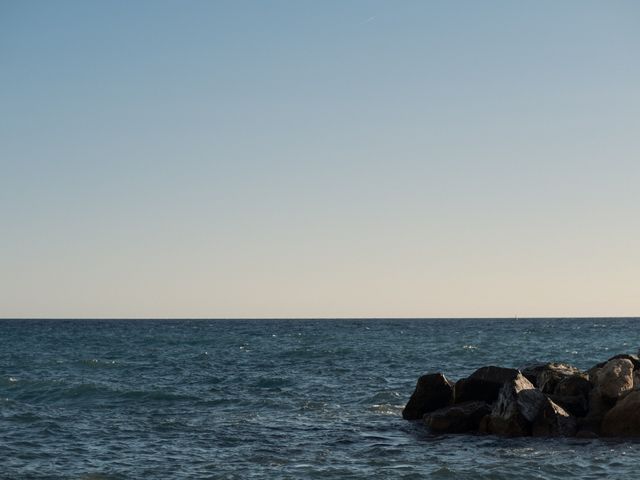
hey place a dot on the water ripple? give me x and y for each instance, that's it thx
(107, 400)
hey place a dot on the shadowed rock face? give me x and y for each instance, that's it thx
(572, 394)
(518, 404)
(459, 418)
(573, 385)
(623, 420)
(565, 402)
(432, 391)
(552, 374)
(576, 405)
(553, 421)
(483, 385)
(598, 407)
(531, 373)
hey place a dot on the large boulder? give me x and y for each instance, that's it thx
(518, 404)
(553, 421)
(588, 427)
(632, 358)
(573, 385)
(432, 391)
(458, 418)
(572, 394)
(531, 372)
(483, 385)
(576, 405)
(615, 378)
(623, 420)
(599, 405)
(554, 373)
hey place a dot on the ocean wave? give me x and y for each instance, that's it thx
(314, 406)
(324, 396)
(158, 395)
(60, 392)
(386, 396)
(272, 383)
(26, 417)
(100, 476)
(97, 363)
(386, 409)
(9, 381)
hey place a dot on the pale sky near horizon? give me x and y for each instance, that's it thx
(319, 158)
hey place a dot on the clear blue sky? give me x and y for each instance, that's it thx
(318, 158)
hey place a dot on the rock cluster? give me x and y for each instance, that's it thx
(554, 399)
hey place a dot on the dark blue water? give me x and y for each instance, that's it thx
(277, 398)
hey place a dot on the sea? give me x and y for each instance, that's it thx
(279, 399)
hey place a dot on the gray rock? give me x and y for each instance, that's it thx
(598, 408)
(552, 374)
(623, 420)
(588, 427)
(459, 418)
(531, 372)
(432, 391)
(572, 394)
(483, 385)
(576, 405)
(573, 385)
(553, 421)
(518, 404)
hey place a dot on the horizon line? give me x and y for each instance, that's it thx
(515, 317)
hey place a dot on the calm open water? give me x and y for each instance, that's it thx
(278, 398)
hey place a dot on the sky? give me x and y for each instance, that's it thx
(233, 159)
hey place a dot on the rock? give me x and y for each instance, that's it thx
(459, 418)
(615, 379)
(599, 405)
(531, 372)
(518, 404)
(633, 358)
(483, 384)
(576, 405)
(598, 408)
(572, 394)
(432, 391)
(504, 401)
(623, 420)
(552, 374)
(588, 427)
(573, 385)
(553, 421)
